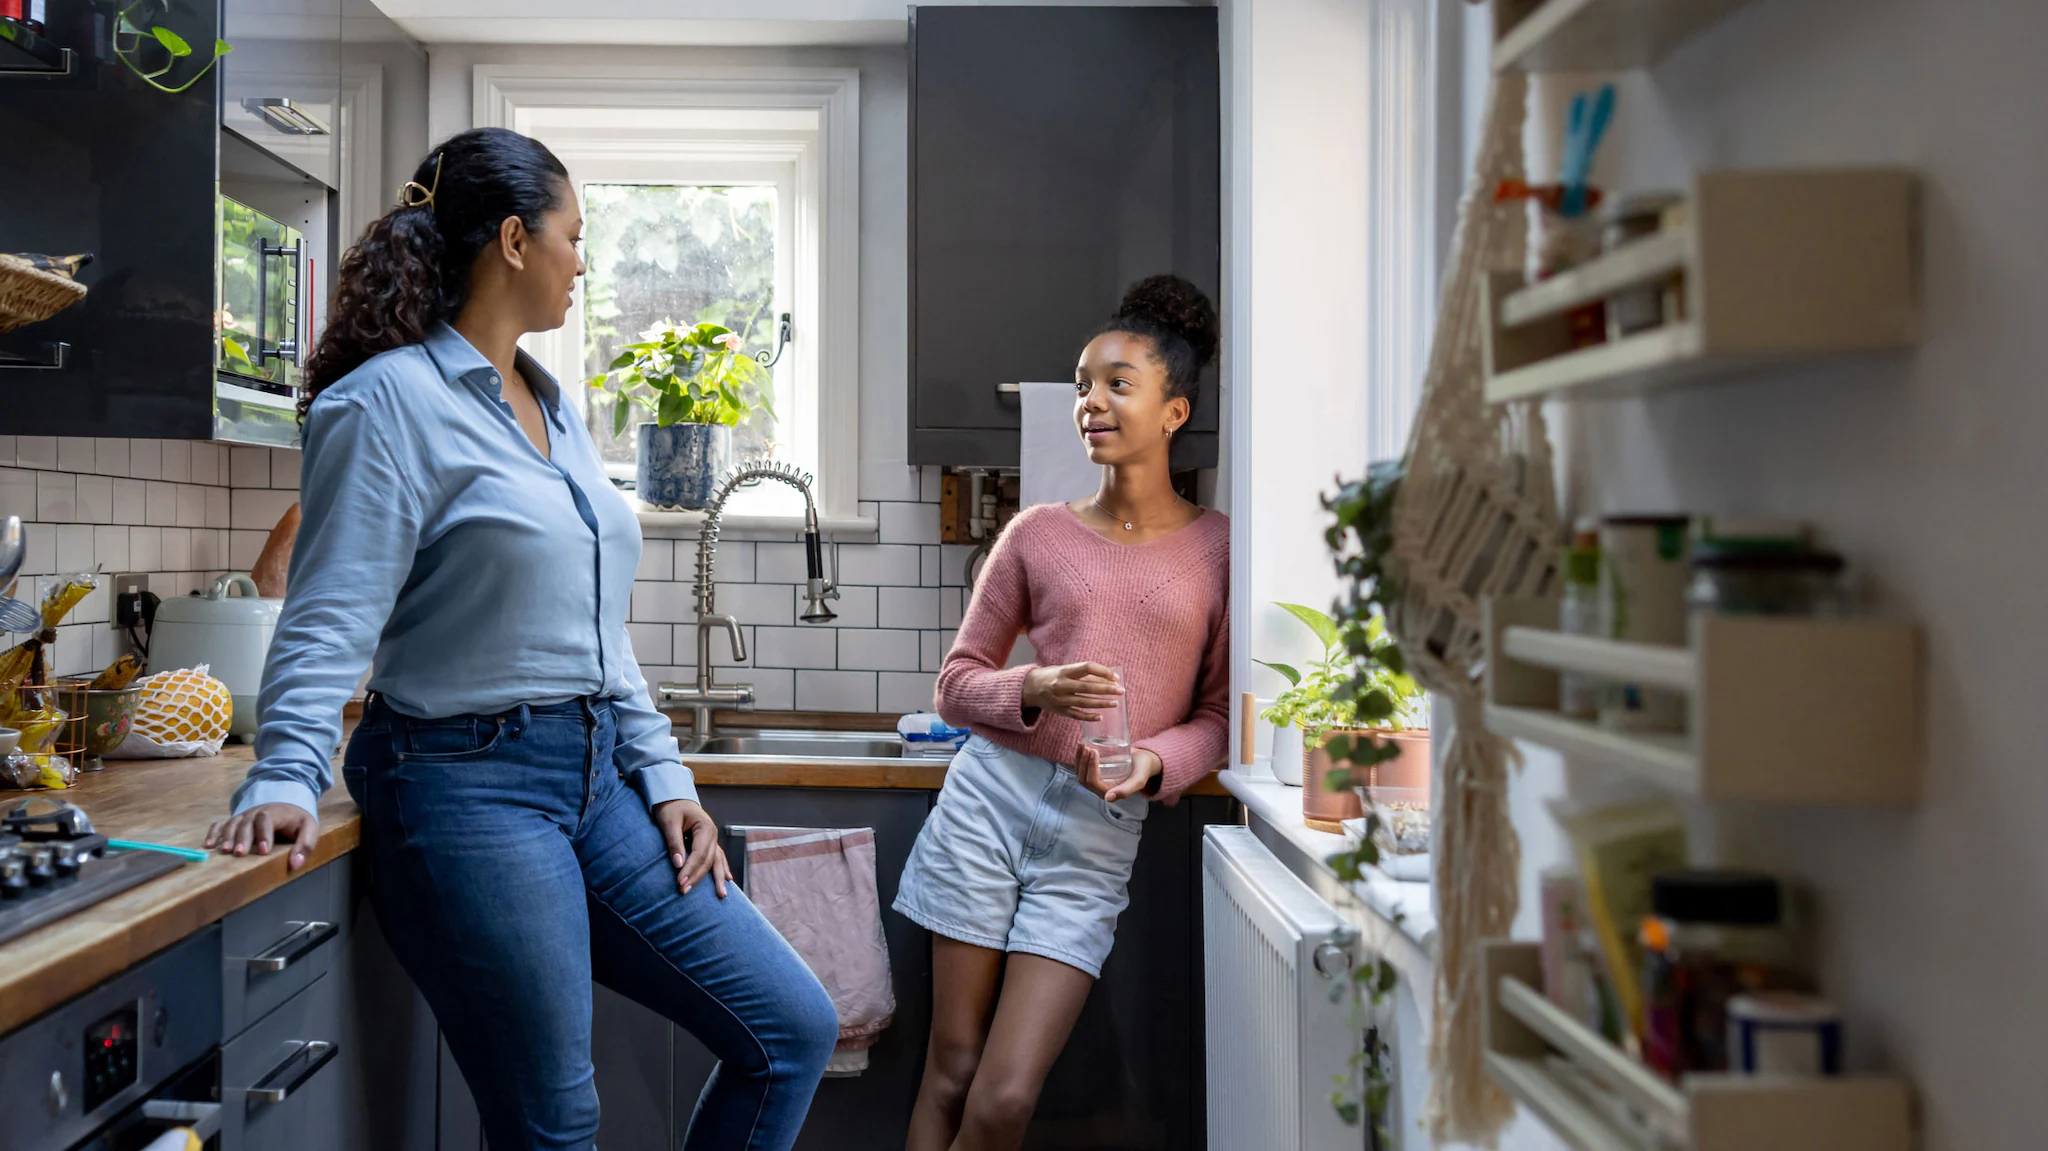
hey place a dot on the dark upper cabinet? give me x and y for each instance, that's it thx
(1056, 155)
(103, 163)
(281, 87)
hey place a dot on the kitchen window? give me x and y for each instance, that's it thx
(729, 198)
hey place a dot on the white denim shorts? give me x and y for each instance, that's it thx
(1019, 856)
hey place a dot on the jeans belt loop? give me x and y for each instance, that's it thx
(520, 717)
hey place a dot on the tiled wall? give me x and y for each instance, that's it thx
(186, 512)
(901, 595)
(183, 512)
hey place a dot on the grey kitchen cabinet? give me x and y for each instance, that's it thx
(1057, 154)
(281, 87)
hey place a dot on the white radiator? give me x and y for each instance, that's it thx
(1275, 1040)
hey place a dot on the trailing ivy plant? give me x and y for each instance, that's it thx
(132, 41)
(694, 375)
(1373, 684)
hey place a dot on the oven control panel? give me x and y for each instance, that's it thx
(110, 1055)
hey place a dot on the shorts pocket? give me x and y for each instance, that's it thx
(1118, 816)
(447, 740)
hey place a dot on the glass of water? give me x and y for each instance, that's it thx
(1109, 734)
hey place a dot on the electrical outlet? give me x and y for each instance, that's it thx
(127, 599)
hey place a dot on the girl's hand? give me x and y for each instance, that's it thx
(1076, 690)
(257, 827)
(1144, 766)
(692, 844)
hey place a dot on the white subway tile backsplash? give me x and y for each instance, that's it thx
(95, 499)
(863, 649)
(284, 468)
(796, 647)
(36, 451)
(110, 457)
(18, 493)
(879, 564)
(206, 461)
(835, 691)
(6, 451)
(770, 604)
(248, 467)
(218, 508)
(244, 548)
(177, 461)
(732, 562)
(931, 650)
(652, 642)
(131, 501)
(928, 566)
(775, 562)
(952, 605)
(934, 484)
(910, 523)
(953, 564)
(904, 692)
(41, 558)
(657, 560)
(74, 454)
(911, 607)
(774, 689)
(56, 497)
(146, 549)
(162, 509)
(889, 480)
(110, 547)
(146, 459)
(209, 549)
(662, 602)
(252, 508)
(191, 506)
(177, 550)
(74, 547)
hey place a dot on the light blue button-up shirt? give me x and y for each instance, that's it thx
(479, 573)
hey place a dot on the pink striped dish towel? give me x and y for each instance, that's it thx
(818, 888)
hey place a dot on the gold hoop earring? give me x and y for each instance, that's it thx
(413, 194)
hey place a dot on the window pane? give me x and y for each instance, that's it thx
(682, 254)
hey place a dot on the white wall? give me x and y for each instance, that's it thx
(1926, 469)
(884, 199)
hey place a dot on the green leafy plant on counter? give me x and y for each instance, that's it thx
(1324, 696)
(1372, 685)
(132, 40)
(694, 375)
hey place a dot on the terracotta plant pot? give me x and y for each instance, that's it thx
(1326, 810)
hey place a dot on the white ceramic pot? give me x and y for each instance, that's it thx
(230, 634)
(1287, 754)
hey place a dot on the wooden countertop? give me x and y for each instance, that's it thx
(168, 801)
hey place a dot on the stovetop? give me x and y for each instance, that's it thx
(53, 864)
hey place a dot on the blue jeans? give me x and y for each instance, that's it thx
(510, 865)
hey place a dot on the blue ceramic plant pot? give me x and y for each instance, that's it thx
(680, 464)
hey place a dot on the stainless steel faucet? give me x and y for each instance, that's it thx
(706, 693)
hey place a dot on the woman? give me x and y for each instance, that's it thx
(1024, 864)
(528, 821)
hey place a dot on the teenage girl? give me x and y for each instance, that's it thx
(528, 821)
(1024, 864)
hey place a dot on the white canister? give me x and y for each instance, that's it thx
(1287, 754)
(1783, 1033)
(229, 633)
(1644, 572)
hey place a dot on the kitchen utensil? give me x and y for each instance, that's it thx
(99, 720)
(1109, 733)
(231, 634)
(135, 845)
(18, 616)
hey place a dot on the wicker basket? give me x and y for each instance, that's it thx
(34, 288)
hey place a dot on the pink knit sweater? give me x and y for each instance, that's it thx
(1160, 610)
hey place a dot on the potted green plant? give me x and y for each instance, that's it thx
(697, 385)
(1353, 693)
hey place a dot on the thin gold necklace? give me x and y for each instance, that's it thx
(1128, 525)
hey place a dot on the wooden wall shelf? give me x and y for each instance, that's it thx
(1597, 35)
(1774, 265)
(1598, 1099)
(1779, 709)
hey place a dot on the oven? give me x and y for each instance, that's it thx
(263, 284)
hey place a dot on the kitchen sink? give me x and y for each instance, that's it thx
(797, 745)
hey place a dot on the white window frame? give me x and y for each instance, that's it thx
(826, 220)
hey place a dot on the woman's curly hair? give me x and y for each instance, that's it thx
(411, 267)
(1179, 320)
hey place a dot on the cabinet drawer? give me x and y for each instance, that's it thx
(280, 1081)
(276, 946)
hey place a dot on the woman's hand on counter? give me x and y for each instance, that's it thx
(260, 826)
(1076, 690)
(692, 844)
(1145, 766)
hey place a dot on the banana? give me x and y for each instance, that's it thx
(118, 675)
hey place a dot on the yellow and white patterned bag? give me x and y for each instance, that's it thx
(182, 713)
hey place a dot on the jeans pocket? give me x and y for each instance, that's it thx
(1121, 818)
(448, 740)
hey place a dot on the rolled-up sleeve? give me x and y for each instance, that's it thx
(360, 528)
(645, 751)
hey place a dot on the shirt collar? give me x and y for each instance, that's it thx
(458, 359)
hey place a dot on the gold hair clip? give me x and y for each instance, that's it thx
(425, 195)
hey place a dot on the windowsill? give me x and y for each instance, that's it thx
(1397, 917)
(662, 523)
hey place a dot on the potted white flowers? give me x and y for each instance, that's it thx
(698, 385)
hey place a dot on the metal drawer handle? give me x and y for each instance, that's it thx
(302, 1064)
(300, 943)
